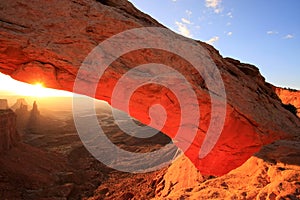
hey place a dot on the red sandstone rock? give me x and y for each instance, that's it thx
(289, 96)
(273, 173)
(48, 42)
(8, 130)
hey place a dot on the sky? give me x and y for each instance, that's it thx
(9, 86)
(265, 33)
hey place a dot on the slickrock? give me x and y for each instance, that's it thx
(289, 96)
(272, 173)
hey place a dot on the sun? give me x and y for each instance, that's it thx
(36, 89)
(39, 90)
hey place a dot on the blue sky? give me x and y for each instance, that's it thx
(265, 33)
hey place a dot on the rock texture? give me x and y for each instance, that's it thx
(8, 131)
(181, 174)
(273, 173)
(289, 96)
(3, 104)
(26, 170)
(48, 42)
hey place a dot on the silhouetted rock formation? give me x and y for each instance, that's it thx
(20, 102)
(37, 46)
(23, 114)
(34, 118)
(8, 132)
(27, 119)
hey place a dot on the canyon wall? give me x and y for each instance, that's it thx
(49, 42)
(3, 104)
(8, 129)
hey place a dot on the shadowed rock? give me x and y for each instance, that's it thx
(8, 131)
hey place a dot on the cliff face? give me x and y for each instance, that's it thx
(3, 104)
(48, 43)
(8, 130)
(289, 96)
